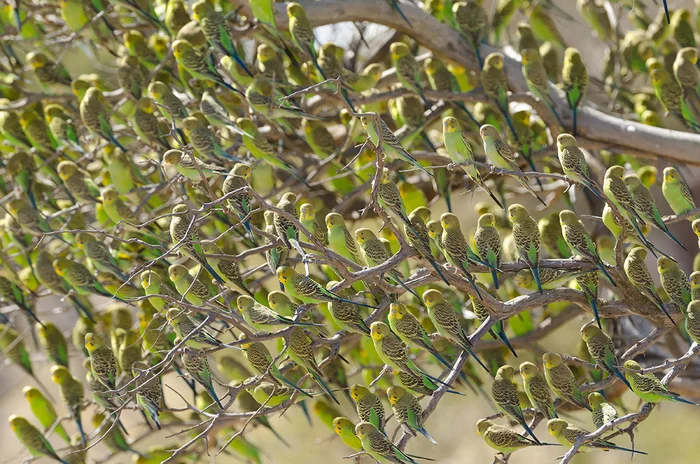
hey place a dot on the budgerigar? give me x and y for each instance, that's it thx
(537, 390)
(580, 241)
(526, 236)
(446, 322)
(674, 281)
(502, 439)
(505, 395)
(602, 350)
(568, 434)
(377, 445)
(409, 329)
(369, 406)
(72, 394)
(575, 80)
(602, 412)
(638, 273)
(460, 152)
(44, 411)
(102, 361)
(495, 84)
(307, 290)
(183, 232)
(346, 431)
(501, 156)
(407, 70)
(299, 344)
(407, 410)
(648, 387)
(677, 193)
(34, 440)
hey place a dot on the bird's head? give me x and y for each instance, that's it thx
(566, 141)
(695, 280)
(589, 331)
(556, 426)
(482, 425)
(397, 311)
(277, 299)
(434, 228)
(449, 221)
(31, 393)
(36, 59)
(379, 330)
(334, 220)
(432, 297)
(342, 424)
(61, 266)
(395, 393)
(66, 169)
(487, 220)
(568, 218)
(307, 212)
(450, 124)
(528, 370)
(665, 264)
(93, 341)
(180, 47)
(671, 175)
(506, 372)
(524, 279)
(595, 399)
(177, 272)
(517, 212)
(357, 392)
(694, 308)
(551, 360)
(364, 235)
(487, 131)
(363, 429)
(398, 50)
(615, 172)
(201, 9)
(285, 274)
(494, 60)
(632, 366)
(244, 303)
(529, 55)
(109, 195)
(266, 53)
(295, 10)
(573, 56)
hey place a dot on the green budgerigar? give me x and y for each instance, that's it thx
(505, 394)
(33, 439)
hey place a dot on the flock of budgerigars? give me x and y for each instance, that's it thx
(190, 177)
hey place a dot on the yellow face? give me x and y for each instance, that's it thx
(595, 399)
(265, 52)
(633, 366)
(177, 271)
(306, 212)
(450, 124)
(91, 341)
(374, 71)
(357, 392)
(449, 221)
(487, 130)
(31, 393)
(244, 302)
(528, 370)
(378, 330)
(399, 49)
(396, 310)
(274, 299)
(555, 426)
(434, 229)
(523, 278)
(664, 264)
(551, 360)
(61, 266)
(109, 196)
(516, 212)
(339, 423)
(529, 56)
(494, 60)
(487, 220)
(589, 331)
(295, 9)
(334, 219)
(483, 425)
(66, 169)
(363, 429)
(180, 47)
(363, 235)
(394, 394)
(671, 175)
(431, 297)
(284, 273)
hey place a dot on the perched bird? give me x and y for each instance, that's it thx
(488, 244)
(537, 390)
(307, 290)
(536, 78)
(44, 411)
(303, 33)
(645, 206)
(240, 202)
(472, 21)
(261, 317)
(347, 315)
(501, 156)
(300, 348)
(78, 182)
(183, 233)
(111, 435)
(102, 361)
(495, 84)
(602, 412)
(215, 28)
(407, 410)
(377, 445)
(197, 64)
(369, 406)
(568, 434)
(575, 79)
(72, 394)
(502, 439)
(692, 320)
(33, 439)
(456, 249)
(674, 281)
(409, 329)
(81, 280)
(11, 293)
(407, 70)
(375, 254)
(574, 165)
(53, 343)
(390, 145)
(346, 431)
(95, 112)
(527, 240)
(602, 350)
(562, 381)
(460, 152)
(579, 241)
(444, 317)
(197, 366)
(638, 273)
(677, 193)
(505, 395)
